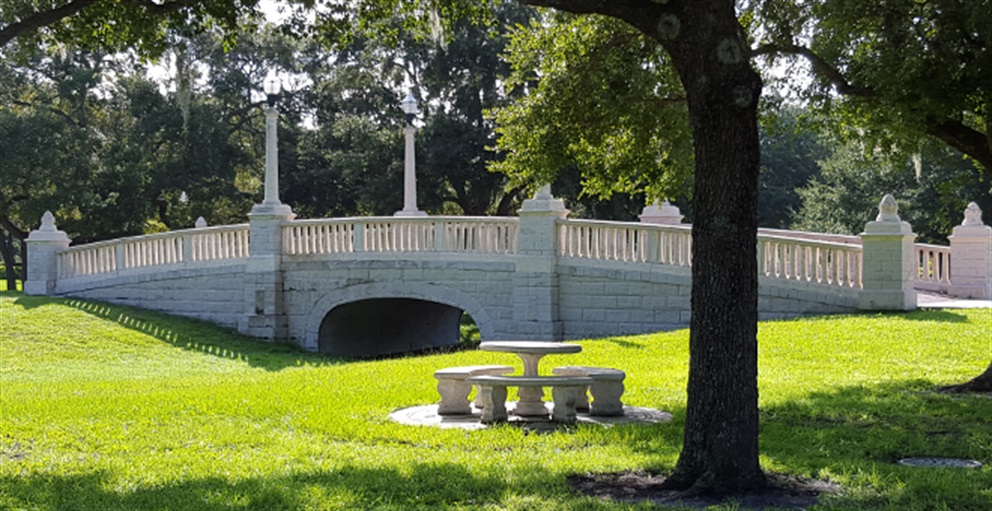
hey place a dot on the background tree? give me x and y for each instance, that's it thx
(894, 72)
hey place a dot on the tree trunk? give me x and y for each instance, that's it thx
(709, 49)
(980, 383)
(7, 251)
(710, 52)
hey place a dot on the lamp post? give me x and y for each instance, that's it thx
(271, 204)
(409, 105)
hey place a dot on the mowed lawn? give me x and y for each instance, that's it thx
(112, 408)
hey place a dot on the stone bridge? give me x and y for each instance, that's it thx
(370, 286)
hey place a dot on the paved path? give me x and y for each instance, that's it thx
(927, 300)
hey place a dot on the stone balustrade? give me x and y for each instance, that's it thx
(625, 242)
(479, 235)
(814, 262)
(934, 267)
(154, 250)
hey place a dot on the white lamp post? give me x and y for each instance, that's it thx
(271, 203)
(409, 105)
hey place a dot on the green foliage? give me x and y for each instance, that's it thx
(600, 97)
(790, 151)
(932, 197)
(130, 409)
(115, 25)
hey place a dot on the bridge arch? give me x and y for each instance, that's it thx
(381, 291)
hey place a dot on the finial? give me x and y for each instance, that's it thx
(972, 215)
(201, 223)
(47, 222)
(544, 192)
(888, 209)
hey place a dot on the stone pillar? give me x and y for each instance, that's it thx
(535, 283)
(888, 267)
(264, 310)
(665, 213)
(971, 256)
(44, 245)
(409, 175)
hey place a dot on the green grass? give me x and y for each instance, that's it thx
(111, 408)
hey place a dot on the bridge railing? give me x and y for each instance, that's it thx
(934, 267)
(626, 242)
(174, 247)
(480, 235)
(815, 262)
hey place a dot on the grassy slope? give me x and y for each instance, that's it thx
(112, 408)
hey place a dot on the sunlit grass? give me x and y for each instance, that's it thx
(114, 408)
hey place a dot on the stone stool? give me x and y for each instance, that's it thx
(454, 391)
(606, 390)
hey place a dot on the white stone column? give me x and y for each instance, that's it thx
(971, 256)
(665, 213)
(271, 157)
(535, 283)
(44, 245)
(264, 312)
(409, 175)
(888, 268)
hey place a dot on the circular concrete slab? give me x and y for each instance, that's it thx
(426, 415)
(940, 462)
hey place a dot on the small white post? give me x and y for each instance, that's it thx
(44, 245)
(889, 266)
(971, 256)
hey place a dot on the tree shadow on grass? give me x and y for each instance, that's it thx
(867, 429)
(193, 335)
(423, 486)
(881, 422)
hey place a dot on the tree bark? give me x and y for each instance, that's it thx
(720, 442)
(979, 384)
(709, 50)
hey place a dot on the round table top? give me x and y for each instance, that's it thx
(535, 347)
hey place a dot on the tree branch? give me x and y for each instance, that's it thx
(963, 138)
(820, 67)
(41, 19)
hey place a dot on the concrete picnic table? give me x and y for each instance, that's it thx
(531, 401)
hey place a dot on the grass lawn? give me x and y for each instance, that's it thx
(111, 408)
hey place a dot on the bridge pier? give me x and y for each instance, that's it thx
(264, 305)
(535, 281)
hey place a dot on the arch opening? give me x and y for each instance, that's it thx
(389, 326)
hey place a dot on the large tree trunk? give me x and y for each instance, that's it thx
(710, 52)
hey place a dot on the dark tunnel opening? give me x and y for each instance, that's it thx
(391, 326)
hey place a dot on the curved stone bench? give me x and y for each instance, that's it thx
(454, 391)
(564, 391)
(607, 389)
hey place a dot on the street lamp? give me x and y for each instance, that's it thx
(272, 87)
(409, 106)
